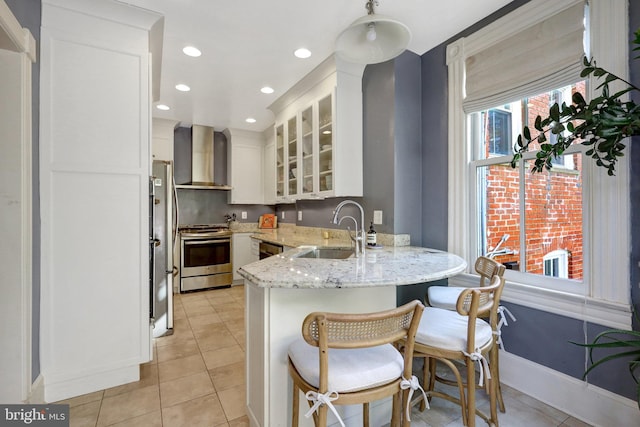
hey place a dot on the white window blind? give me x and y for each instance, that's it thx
(545, 55)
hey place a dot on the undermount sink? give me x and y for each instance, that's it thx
(328, 253)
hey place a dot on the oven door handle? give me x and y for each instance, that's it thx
(205, 242)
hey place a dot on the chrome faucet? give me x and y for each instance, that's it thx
(359, 238)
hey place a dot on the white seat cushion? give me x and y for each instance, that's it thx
(448, 330)
(349, 369)
(443, 296)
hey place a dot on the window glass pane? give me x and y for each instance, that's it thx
(499, 207)
(545, 211)
(553, 220)
(498, 131)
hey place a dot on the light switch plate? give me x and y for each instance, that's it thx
(299, 215)
(282, 215)
(377, 217)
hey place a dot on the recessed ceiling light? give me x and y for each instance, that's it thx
(162, 107)
(302, 53)
(183, 88)
(326, 132)
(266, 89)
(191, 51)
(250, 120)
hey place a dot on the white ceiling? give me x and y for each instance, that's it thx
(247, 44)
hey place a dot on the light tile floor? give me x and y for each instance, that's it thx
(197, 378)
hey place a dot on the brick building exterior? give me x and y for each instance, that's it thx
(553, 205)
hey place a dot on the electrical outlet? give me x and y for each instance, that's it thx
(282, 215)
(243, 215)
(377, 217)
(299, 215)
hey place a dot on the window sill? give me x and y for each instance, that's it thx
(605, 313)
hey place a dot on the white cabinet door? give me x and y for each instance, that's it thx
(245, 151)
(269, 174)
(162, 131)
(242, 253)
(94, 169)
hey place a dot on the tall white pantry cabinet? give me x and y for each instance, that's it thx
(96, 85)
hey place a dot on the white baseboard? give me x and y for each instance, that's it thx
(589, 403)
(62, 388)
(36, 394)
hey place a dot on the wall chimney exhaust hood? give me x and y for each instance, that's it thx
(202, 160)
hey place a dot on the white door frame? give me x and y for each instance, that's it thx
(17, 52)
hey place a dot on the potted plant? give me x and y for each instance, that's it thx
(601, 124)
(627, 345)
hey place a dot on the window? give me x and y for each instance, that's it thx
(497, 127)
(556, 264)
(556, 227)
(538, 212)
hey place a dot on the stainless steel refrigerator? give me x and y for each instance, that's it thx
(164, 212)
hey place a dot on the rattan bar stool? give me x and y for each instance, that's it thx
(446, 297)
(463, 336)
(348, 359)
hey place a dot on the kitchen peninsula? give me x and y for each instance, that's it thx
(281, 290)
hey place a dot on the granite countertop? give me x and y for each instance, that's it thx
(388, 266)
(294, 239)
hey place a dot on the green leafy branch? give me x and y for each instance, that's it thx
(602, 124)
(628, 343)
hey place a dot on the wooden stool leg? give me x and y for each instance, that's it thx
(493, 391)
(296, 405)
(494, 357)
(396, 415)
(425, 380)
(471, 393)
(365, 414)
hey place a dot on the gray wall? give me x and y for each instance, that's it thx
(539, 336)
(408, 147)
(207, 206)
(434, 149)
(378, 153)
(28, 13)
(393, 166)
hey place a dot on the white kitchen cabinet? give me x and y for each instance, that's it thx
(162, 132)
(95, 122)
(287, 161)
(244, 166)
(269, 171)
(318, 134)
(243, 253)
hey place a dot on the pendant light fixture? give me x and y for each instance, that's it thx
(372, 38)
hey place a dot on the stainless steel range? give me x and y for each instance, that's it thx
(205, 257)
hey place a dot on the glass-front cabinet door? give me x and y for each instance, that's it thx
(308, 150)
(305, 153)
(325, 136)
(292, 151)
(281, 158)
